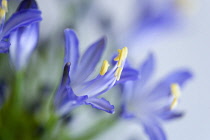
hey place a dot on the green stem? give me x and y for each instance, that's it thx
(16, 97)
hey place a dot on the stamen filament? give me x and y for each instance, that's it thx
(121, 56)
(118, 73)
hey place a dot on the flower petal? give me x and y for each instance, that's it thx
(65, 99)
(71, 49)
(163, 87)
(19, 19)
(154, 130)
(68, 101)
(96, 86)
(128, 74)
(23, 41)
(146, 70)
(169, 115)
(27, 4)
(101, 104)
(4, 47)
(90, 59)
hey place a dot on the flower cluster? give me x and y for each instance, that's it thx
(82, 83)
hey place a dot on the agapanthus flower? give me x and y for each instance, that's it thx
(150, 104)
(154, 15)
(24, 39)
(21, 18)
(77, 87)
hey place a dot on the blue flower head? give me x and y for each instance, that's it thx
(154, 16)
(21, 18)
(149, 105)
(24, 39)
(76, 87)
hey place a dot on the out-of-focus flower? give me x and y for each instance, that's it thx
(24, 39)
(21, 18)
(152, 20)
(76, 87)
(152, 15)
(149, 105)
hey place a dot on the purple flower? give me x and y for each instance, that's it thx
(77, 87)
(22, 18)
(156, 15)
(24, 39)
(150, 104)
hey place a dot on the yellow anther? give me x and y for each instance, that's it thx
(118, 57)
(4, 5)
(121, 56)
(2, 13)
(175, 91)
(104, 67)
(118, 73)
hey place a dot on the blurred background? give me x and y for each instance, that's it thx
(176, 31)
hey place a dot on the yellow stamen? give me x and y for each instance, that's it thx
(175, 91)
(4, 5)
(104, 67)
(121, 56)
(118, 57)
(118, 73)
(2, 13)
(174, 103)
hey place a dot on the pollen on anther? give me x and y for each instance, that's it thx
(104, 67)
(4, 5)
(2, 13)
(175, 91)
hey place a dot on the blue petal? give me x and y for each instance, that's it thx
(97, 86)
(4, 47)
(27, 4)
(19, 19)
(101, 104)
(150, 18)
(90, 59)
(126, 97)
(71, 49)
(128, 74)
(62, 90)
(162, 89)
(23, 41)
(166, 113)
(68, 100)
(154, 130)
(65, 81)
(170, 115)
(146, 70)
(65, 99)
